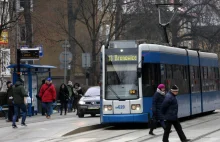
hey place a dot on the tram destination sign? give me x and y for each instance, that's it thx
(29, 54)
(121, 58)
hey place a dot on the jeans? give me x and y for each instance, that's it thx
(17, 107)
(47, 107)
(70, 104)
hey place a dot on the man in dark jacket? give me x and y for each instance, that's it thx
(18, 96)
(170, 111)
(10, 100)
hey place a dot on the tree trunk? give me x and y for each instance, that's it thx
(118, 18)
(71, 31)
(28, 23)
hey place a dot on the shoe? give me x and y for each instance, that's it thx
(151, 133)
(23, 124)
(186, 140)
(14, 126)
(48, 117)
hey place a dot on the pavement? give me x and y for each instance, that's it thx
(199, 129)
(40, 129)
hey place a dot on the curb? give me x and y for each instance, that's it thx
(85, 129)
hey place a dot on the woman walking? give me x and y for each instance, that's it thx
(64, 98)
(158, 99)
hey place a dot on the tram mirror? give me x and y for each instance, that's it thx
(139, 72)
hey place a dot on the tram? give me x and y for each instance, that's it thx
(131, 72)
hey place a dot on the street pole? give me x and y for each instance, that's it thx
(17, 46)
(65, 63)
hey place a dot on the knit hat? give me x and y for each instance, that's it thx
(8, 82)
(174, 88)
(161, 86)
(49, 79)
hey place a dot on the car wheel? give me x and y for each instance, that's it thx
(80, 115)
(93, 114)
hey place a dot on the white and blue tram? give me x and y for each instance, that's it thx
(131, 73)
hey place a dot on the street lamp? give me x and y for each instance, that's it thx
(167, 12)
(65, 45)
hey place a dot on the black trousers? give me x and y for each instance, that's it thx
(10, 112)
(178, 128)
(63, 106)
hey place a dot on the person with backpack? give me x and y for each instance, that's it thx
(19, 95)
(64, 98)
(48, 96)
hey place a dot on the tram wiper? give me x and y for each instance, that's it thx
(114, 92)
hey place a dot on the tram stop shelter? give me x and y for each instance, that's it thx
(32, 75)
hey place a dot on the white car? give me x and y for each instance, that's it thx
(90, 102)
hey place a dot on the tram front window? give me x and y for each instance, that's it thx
(121, 81)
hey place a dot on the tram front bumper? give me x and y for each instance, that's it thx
(125, 118)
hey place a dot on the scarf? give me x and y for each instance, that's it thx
(161, 92)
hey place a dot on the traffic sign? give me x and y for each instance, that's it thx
(86, 60)
(41, 53)
(69, 57)
(29, 54)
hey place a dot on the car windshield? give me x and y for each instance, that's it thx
(94, 91)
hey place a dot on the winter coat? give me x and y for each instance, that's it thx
(19, 93)
(170, 107)
(156, 105)
(64, 95)
(10, 94)
(70, 90)
(78, 92)
(48, 94)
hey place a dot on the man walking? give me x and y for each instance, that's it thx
(71, 97)
(18, 97)
(170, 111)
(48, 96)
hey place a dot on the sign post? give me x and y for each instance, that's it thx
(86, 63)
(65, 45)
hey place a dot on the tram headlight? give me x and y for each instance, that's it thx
(107, 107)
(136, 107)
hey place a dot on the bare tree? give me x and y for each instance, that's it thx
(28, 23)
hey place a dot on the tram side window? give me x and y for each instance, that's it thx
(217, 78)
(180, 78)
(205, 83)
(150, 78)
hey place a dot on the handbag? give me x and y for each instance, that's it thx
(152, 122)
(40, 98)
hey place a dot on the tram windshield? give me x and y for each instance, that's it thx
(121, 80)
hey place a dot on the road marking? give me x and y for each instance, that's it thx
(84, 140)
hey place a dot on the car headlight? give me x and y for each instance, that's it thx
(136, 107)
(81, 102)
(107, 107)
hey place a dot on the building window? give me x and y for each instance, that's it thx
(21, 4)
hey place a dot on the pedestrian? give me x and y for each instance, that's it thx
(10, 101)
(71, 96)
(169, 109)
(63, 97)
(48, 96)
(77, 90)
(158, 99)
(19, 95)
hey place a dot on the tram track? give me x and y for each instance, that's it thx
(204, 135)
(143, 140)
(153, 137)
